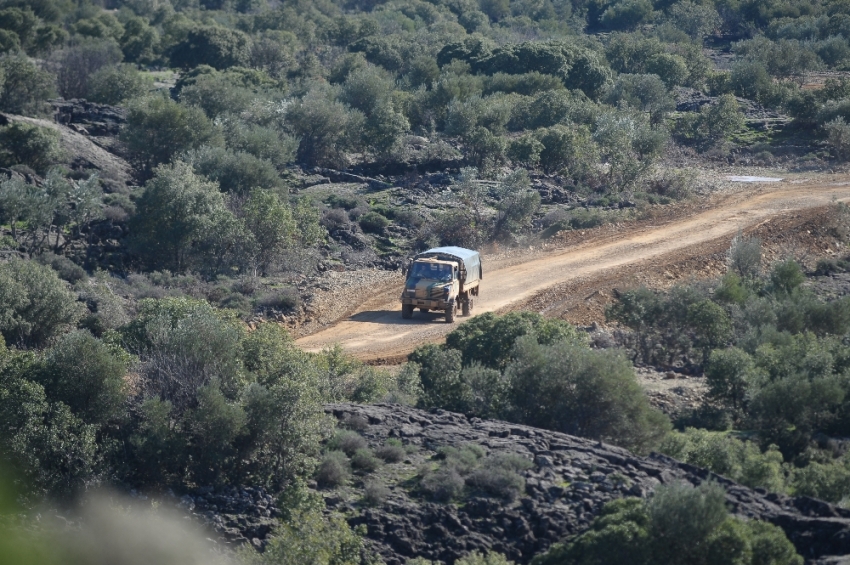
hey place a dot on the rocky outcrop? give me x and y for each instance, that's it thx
(82, 151)
(89, 118)
(572, 478)
(246, 515)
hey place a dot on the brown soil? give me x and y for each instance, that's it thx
(573, 277)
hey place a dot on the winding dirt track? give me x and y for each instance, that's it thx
(377, 331)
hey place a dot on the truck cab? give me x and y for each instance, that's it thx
(442, 279)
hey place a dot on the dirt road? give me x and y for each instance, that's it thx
(378, 332)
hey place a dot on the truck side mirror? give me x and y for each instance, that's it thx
(463, 274)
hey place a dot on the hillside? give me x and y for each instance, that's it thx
(564, 490)
(207, 206)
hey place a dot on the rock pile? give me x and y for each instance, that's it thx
(89, 118)
(572, 478)
(238, 515)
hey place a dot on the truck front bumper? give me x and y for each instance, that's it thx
(425, 303)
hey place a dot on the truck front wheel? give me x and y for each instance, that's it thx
(407, 311)
(451, 311)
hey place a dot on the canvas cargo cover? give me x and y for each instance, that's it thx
(469, 260)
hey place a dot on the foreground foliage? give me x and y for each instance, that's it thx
(527, 369)
(679, 524)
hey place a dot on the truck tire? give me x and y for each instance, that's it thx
(407, 311)
(450, 312)
(467, 306)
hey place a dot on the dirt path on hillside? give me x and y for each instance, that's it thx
(377, 331)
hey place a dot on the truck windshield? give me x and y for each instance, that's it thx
(432, 271)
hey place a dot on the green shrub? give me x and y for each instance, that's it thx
(838, 137)
(744, 256)
(364, 460)
(525, 150)
(373, 222)
(582, 392)
(440, 377)
(729, 373)
(828, 481)
(235, 172)
(711, 325)
(442, 485)
(64, 267)
(498, 475)
(488, 339)
(390, 452)
(263, 142)
(34, 146)
(786, 276)
(158, 128)
(25, 88)
(279, 299)
(217, 47)
(180, 217)
(309, 537)
(76, 63)
(694, 19)
(225, 95)
(626, 14)
(117, 84)
(348, 442)
(333, 471)
(185, 345)
(714, 124)
(646, 93)
(215, 424)
(326, 128)
(375, 493)
(724, 454)
(88, 376)
(679, 524)
(35, 304)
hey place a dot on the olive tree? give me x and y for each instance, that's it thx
(25, 87)
(582, 392)
(217, 47)
(272, 227)
(87, 375)
(35, 304)
(327, 128)
(178, 214)
(158, 128)
(26, 144)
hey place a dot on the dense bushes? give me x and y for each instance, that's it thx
(25, 87)
(36, 305)
(158, 128)
(34, 146)
(538, 372)
(679, 524)
(468, 470)
(181, 394)
(762, 341)
(183, 221)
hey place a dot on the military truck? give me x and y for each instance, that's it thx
(443, 278)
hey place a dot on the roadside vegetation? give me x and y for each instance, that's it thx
(126, 359)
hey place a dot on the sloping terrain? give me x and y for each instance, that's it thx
(570, 480)
(376, 330)
(81, 148)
